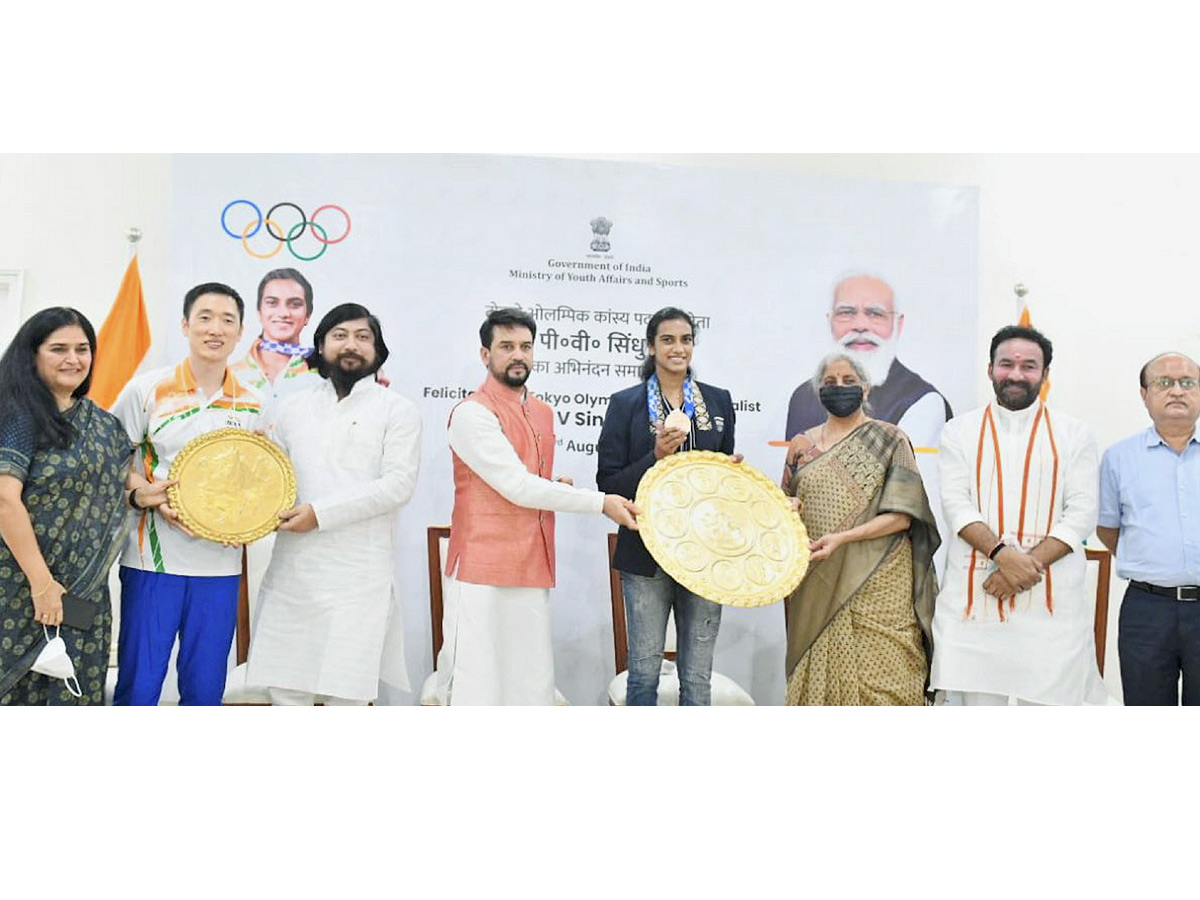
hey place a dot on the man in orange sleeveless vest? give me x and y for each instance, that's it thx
(500, 565)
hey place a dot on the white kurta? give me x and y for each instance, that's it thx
(1041, 647)
(326, 600)
(496, 646)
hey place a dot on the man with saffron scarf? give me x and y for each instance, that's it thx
(1013, 619)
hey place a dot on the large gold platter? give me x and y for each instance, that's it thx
(232, 486)
(722, 529)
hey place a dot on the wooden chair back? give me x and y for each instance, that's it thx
(1100, 623)
(617, 598)
(242, 632)
(433, 538)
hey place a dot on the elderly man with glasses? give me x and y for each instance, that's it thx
(1150, 520)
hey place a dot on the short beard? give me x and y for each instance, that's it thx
(1031, 395)
(514, 381)
(877, 363)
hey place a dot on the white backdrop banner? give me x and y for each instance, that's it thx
(591, 250)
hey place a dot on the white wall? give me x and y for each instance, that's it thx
(63, 219)
(1093, 237)
(1105, 244)
(1099, 240)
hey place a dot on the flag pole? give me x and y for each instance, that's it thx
(1026, 320)
(1020, 290)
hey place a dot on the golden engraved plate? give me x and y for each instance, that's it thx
(232, 485)
(722, 529)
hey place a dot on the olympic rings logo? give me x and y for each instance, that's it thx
(281, 236)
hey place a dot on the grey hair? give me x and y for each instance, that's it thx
(847, 274)
(829, 360)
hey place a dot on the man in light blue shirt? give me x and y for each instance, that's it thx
(1150, 520)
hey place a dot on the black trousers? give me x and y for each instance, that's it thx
(1158, 639)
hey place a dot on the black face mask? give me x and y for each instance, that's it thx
(841, 399)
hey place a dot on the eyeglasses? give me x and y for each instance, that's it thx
(1165, 384)
(873, 313)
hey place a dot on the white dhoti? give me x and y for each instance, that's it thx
(287, 697)
(496, 647)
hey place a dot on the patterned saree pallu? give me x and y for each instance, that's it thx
(722, 529)
(232, 485)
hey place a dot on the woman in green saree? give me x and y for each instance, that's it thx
(859, 624)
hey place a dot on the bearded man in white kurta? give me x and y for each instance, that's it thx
(326, 600)
(1020, 494)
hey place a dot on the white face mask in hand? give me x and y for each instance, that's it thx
(54, 661)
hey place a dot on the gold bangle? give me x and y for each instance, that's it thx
(35, 594)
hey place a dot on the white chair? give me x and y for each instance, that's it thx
(725, 691)
(438, 540)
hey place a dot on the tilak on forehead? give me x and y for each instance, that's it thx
(1019, 349)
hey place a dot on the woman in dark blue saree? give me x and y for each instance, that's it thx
(63, 469)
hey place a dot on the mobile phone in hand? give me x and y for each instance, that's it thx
(78, 613)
